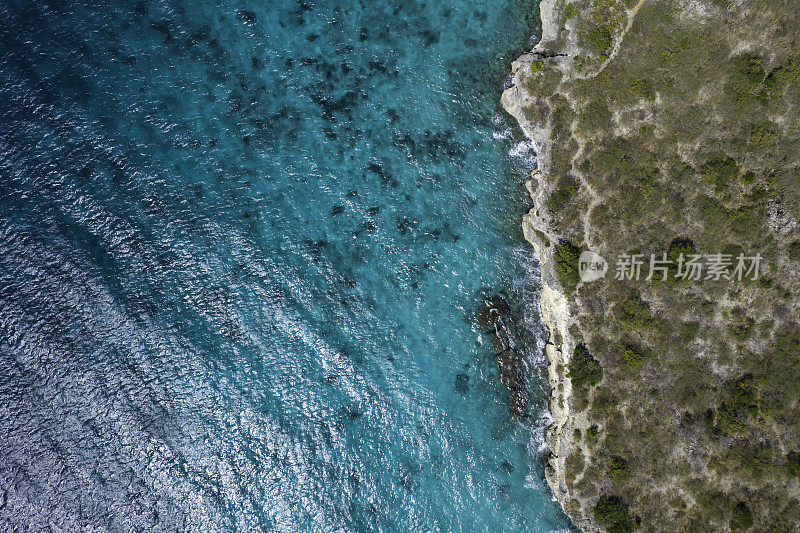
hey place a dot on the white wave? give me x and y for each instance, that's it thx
(524, 151)
(502, 135)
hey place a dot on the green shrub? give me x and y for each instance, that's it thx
(763, 137)
(632, 357)
(575, 464)
(794, 251)
(536, 66)
(618, 468)
(570, 11)
(745, 220)
(741, 402)
(757, 461)
(665, 57)
(565, 193)
(714, 214)
(793, 464)
(561, 118)
(600, 40)
(751, 67)
(595, 116)
(605, 405)
(742, 518)
(643, 89)
(612, 513)
(787, 345)
(708, 422)
(567, 257)
(584, 370)
(741, 325)
(678, 247)
(687, 332)
(719, 171)
(635, 314)
(781, 77)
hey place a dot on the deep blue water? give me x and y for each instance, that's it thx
(242, 246)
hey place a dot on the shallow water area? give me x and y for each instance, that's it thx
(242, 250)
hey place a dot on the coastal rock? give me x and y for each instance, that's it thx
(494, 319)
(491, 312)
(517, 101)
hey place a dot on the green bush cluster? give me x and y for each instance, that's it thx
(741, 401)
(687, 332)
(742, 518)
(713, 214)
(793, 463)
(642, 88)
(742, 327)
(561, 119)
(782, 77)
(763, 137)
(757, 461)
(794, 251)
(744, 222)
(631, 356)
(584, 370)
(665, 57)
(595, 116)
(787, 345)
(562, 196)
(677, 248)
(567, 258)
(570, 11)
(635, 314)
(747, 81)
(618, 468)
(600, 38)
(612, 513)
(719, 170)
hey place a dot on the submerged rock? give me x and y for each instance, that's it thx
(511, 378)
(494, 318)
(461, 384)
(491, 312)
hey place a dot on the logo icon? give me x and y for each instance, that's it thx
(591, 266)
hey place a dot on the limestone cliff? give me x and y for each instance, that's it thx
(519, 102)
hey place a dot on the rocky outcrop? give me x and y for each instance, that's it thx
(493, 318)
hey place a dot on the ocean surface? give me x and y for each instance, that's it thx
(242, 247)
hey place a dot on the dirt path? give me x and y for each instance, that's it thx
(596, 199)
(631, 15)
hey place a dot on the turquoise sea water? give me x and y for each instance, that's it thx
(241, 250)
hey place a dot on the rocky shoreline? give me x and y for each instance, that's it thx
(555, 307)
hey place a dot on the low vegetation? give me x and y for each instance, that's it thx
(567, 257)
(612, 513)
(584, 370)
(689, 139)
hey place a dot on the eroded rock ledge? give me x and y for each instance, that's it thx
(519, 103)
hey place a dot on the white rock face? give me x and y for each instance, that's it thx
(554, 304)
